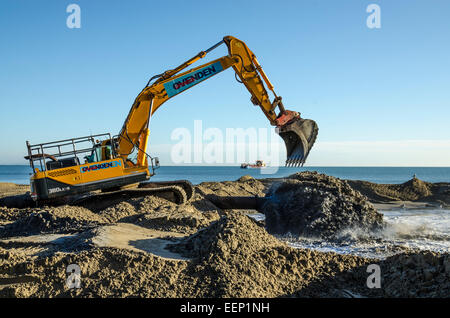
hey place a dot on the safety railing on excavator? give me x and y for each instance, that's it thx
(56, 151)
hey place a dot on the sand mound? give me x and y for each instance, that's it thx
(401, 274)
(244, 186)
(313, 204)
(235, 258)
(412, 190)
(223, 232)
(118, 212)
(177, 218)
(160, 214)
(230, 254)
(150, 212)
(8, 215)
(415, 189)
(105, 272)
(410, 274)
(238, 258)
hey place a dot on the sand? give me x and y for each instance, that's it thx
(150, 247)
(415, 190)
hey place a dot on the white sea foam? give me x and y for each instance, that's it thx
(421, 229)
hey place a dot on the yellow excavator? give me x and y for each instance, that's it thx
(119, 164)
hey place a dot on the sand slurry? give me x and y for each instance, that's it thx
(313, 204)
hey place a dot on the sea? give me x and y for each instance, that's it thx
(421, 229)
(20, 174)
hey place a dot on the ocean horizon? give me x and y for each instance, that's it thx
(20, 174)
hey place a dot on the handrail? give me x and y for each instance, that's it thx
(36, 152)
(72, 139)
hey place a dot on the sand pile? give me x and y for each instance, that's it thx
(244, 186)
(105, 272)
(234, 257)
(229, 254)
(410, 274)
(8, 215)
(163, 215)
(158, 213)
(63, 219)
(313, 204)
(415, 189)
(181, 219)
(150, 212)
(223, 232)
(424, 274)
(119, 212)
(238, 258)
(412, 190)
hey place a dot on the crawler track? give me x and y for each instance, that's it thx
(179, 192)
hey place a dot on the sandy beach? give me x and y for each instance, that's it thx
(151, 247)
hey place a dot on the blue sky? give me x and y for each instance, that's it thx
(379, 96)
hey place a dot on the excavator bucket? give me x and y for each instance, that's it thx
(299, 136)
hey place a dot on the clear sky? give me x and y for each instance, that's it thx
(380, 96)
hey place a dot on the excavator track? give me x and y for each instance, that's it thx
(179, 192)
(186, 185)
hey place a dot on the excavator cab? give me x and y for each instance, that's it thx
(58, 171)
(100, 151)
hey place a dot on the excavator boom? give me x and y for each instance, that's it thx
(298, 134)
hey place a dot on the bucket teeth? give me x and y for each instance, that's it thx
(291, 162)
(295, 161)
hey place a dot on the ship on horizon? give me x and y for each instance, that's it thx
(258, 164)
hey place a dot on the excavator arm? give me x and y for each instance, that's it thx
(298, 134)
